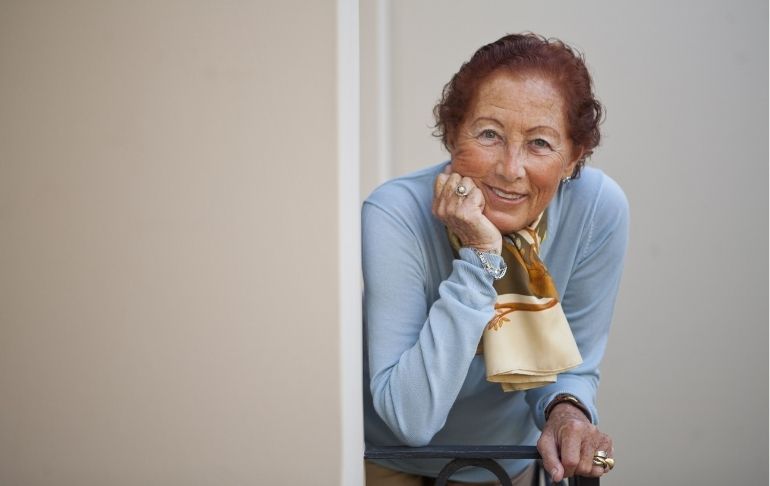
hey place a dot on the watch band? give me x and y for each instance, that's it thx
(569, 398)
(497, 273)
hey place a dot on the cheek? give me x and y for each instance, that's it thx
(547, 181)
(473, 161)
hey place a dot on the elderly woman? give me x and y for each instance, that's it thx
(490, 280)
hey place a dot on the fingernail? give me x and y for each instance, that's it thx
(553, 472)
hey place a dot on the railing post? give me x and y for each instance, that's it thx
(581, 481)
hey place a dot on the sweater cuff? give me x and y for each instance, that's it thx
(470, 256)
(562, 386)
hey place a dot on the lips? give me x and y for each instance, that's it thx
(508, 196)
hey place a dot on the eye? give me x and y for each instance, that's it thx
(541, 144)
(488, 137)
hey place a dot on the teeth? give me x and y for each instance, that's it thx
(507, 195)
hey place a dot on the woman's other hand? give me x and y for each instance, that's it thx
(464, 215)
(568, 444)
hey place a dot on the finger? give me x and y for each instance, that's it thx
(596, 472)
(585, 465)
(603, 443)
(449, 198)
(438, 190)
(546, 445)
(445, 186)
(475, 198)
(451, 185)
(468, 208)
(438, 185)
(569, 449)
(469, 185)
(447, 169)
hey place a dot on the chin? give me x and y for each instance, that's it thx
(507, 225)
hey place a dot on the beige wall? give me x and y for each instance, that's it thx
(169, 299)
(684, 382)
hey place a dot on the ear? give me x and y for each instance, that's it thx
(569, 169)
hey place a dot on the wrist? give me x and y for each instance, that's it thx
(494, 249)
(485, 246)
(567, 411)
(569, 403)
(492, 263)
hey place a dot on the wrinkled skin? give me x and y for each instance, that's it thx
(568, 444)
(510, 152)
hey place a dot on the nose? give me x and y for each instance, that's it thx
(511, 165)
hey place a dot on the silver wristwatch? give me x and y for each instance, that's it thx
(497, 273)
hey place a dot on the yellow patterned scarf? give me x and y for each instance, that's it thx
(528, 341)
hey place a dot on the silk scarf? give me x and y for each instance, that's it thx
(528, 342)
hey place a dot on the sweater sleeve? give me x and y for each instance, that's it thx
(419, 352)
(589, 300)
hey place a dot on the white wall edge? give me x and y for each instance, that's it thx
(349, 237)
(384, 162)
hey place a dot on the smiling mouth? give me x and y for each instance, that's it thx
(508, 196)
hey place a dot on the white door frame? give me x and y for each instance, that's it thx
(349, 238)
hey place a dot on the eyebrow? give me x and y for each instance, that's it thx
(546, 128)
(487, 118)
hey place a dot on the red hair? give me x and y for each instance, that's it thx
(526, 53)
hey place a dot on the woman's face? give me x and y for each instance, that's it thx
(514, 144)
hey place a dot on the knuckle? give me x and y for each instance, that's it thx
(545, 450)
(573, 428)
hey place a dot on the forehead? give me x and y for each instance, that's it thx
(531, 98)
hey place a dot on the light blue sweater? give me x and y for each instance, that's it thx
(424, 313)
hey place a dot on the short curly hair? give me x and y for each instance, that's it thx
(526, 53)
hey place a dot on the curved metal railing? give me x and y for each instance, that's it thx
(469, 456)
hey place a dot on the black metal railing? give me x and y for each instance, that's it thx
(469, 456)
